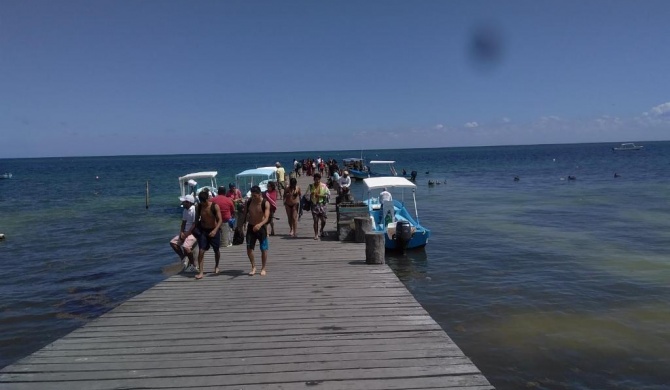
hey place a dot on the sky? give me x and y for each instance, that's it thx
(97, 78)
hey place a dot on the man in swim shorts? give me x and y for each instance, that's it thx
(258, 214)
(208, 217)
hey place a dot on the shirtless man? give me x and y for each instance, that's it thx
(208, 216)
(256, 219)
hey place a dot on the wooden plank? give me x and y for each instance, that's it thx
(320, 318)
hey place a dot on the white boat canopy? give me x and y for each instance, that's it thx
(382, 162)
(264, 171)
(199, 175)
(388, 181)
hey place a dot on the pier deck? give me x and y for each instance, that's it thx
(321, 318)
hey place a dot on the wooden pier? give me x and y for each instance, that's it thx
(320, 319)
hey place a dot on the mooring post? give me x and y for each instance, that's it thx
(362, 225)
(374, 247)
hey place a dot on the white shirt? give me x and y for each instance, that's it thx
(345, 181)
(188, 215)
(385, 196)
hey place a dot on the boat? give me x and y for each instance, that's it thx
(628, 146)
(255, 177)
(356, 168)
(194, 183)
(401, 229)
(6, 176)
(387, 167)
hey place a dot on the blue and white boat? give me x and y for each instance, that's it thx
(401, 229)
(194, 183)
(255, 177)
(356, 168)
(6, 176)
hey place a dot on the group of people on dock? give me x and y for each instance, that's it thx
(209, 221)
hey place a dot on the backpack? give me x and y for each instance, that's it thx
(246, 216)
(238, 237)
(262, 205)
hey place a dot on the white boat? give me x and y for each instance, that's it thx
(194, 183)
(401, 229)
(387, 168)
(6, 176)
(255, 177)
(628, 146)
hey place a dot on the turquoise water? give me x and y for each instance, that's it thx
(544, 283)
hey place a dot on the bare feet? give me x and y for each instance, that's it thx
(199, 276)
(263, 272)
(216, 270)
(316, 237)
(253, 271)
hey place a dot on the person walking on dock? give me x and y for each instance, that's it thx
(271, 196)
(227, 207)
(208, 217)
(319, 194)
(183, 242)
(281, 177)
(257, 215)
(292, 204)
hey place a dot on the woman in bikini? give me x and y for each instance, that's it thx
(292, 202)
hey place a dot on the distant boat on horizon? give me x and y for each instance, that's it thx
(628, 146)
(6, 176)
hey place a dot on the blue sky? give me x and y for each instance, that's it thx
(81, 78)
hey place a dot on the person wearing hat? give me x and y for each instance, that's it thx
(281, 177)
(183, 242)
(345, 181)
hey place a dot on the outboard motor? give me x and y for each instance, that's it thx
(403, 234)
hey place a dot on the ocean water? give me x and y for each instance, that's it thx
(545, 283)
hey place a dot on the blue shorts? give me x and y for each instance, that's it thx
(261, 236)
(205, 241)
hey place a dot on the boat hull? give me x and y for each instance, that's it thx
(419, 240)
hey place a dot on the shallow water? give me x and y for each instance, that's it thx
(544, 283)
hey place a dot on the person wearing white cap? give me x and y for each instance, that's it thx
(281, 176)
(183, 242)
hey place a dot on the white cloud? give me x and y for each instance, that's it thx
(471, 125)
(506, 120)
(660, 110)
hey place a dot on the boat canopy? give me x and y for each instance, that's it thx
(263, 171)
(382, 162)
(388, 181)
(198, 175)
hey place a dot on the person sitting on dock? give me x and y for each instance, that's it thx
(183, 242)
(208, 217)
(257, 215)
